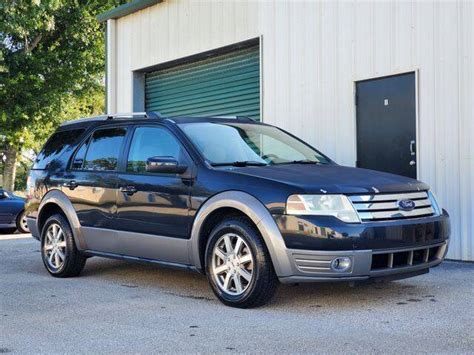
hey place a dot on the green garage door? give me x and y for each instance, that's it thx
(224, 85)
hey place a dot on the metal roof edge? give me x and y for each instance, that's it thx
(126, 9)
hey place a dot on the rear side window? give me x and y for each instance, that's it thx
(55, 146)
(104, 149)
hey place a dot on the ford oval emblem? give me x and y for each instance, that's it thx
(406, 205)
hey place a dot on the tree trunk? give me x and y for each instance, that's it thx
(9, 171)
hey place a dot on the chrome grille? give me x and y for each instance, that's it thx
(379, 207)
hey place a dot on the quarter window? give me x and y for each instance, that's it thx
(55, 146)
(104, 149)
(151, 142)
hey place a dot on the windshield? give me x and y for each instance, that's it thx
(248, 144)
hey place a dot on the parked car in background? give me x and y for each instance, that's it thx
(243, 202)
(12, 213)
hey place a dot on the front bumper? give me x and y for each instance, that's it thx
(391, 249)
(329, 233)
(314, 266)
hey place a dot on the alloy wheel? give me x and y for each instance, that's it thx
(24, 224)
(232, 264)
(55, 246)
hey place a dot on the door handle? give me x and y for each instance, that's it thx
(71, 185)
(412, 144)
(412, 162)
(129, 190)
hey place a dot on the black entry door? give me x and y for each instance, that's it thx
(386, 124)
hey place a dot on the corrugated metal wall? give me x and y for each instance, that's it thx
(224, 85)
(313, 52)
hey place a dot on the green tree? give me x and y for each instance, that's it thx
(72, 106)
(51, 61)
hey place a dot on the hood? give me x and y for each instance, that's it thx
(332, 178)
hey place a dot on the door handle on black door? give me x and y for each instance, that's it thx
(412, 144)
(71, 184)
(129, 190)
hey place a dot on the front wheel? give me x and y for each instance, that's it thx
(58, 249)
(238, 265)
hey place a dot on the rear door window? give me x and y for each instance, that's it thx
(56, 146)
(104, 149)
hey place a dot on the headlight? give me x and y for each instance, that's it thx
(434, 203)
(337, 206)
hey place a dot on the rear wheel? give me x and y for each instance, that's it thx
(58, 249)
(21, 223)
(238, 264)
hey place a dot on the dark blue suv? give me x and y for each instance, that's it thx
(246, 203)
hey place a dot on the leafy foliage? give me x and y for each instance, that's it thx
(52, 55)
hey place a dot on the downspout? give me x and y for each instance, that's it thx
(111, 67)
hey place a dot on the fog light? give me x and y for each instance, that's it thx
(341, 264)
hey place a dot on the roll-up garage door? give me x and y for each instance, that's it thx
(223, 85)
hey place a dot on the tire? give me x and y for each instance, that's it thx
(71, 262)
(21, 223)
(220, 263)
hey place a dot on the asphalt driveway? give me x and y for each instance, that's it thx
(116, 306)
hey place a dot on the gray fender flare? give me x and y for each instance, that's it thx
(58, 198)
(258, 213)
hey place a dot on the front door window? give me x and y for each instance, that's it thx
(151, 142)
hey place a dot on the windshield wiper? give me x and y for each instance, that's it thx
(303, 161)
(241, 163)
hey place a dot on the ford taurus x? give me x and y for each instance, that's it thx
(245, 203)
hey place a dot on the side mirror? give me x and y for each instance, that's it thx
(2, 195)
(164, 165)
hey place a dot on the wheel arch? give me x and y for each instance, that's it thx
(18, 214)
(247, 205)
(55, 201)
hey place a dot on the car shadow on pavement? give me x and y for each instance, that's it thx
(343, 295)
(304, 296)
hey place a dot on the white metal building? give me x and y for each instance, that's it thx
(305, 66)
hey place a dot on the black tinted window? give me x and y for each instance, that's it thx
(55, 146)
(104, 149)
(151, 142)
(80, 155)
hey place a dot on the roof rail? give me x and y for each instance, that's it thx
(151, 114)
(154, 114)
(245, 118)
(84, 119)
(235, 118)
